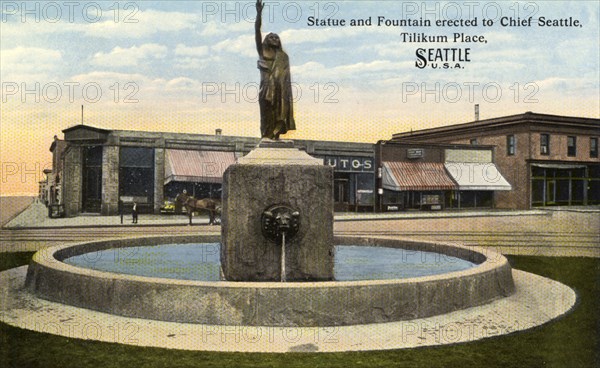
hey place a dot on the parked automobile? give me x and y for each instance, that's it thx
(170, 206)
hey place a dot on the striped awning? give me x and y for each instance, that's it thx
(558, 166)
(401, 176)
(477, 176)
(196, 166)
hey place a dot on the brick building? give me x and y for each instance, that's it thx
(436, 176)
(549, 160)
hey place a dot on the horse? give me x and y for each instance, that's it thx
(191, 204)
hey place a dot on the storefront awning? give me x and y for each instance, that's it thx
(196, 166)
(477, 176)
(559, 166)
(401, 176)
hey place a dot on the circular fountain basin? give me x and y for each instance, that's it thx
(330, 303)
(202, 262)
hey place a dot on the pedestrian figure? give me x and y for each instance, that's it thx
(134, 213)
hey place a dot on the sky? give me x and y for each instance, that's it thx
(190, 66)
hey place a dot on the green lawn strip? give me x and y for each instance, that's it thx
(12, 260)
(571, 341)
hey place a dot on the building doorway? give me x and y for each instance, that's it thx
(341, 193)
(92, 179)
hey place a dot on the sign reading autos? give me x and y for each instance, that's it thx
(349, 164)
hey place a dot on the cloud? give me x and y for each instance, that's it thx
(131, 24)
(195, 63)
(105, 76)
(369, 67)
(213, 28)
(194, 57)
(29, 64)
(183, 83)
(323, 35)
(142, 87)
(22, 59)
(136, 88)
(143, 23)
(244, 45)
(357, 70)
(132, 56)
(183, 50)
(562, 85)
(577, 54)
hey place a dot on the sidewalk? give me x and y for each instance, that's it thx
(12, 206)
(578, 209)
(412, 215)
(35, 216)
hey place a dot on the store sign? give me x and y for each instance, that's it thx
(414, 153)
(351, 164)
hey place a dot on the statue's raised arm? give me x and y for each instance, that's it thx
(257, 25)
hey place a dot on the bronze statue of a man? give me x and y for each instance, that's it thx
(275, 94)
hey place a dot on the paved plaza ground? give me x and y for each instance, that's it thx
(544, 233)
(569, 232)
(11, 206)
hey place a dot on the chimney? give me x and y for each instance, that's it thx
(476, 112)
(218, 131)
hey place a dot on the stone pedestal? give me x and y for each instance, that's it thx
(276, 174)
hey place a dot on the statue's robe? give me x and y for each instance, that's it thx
(275, 96)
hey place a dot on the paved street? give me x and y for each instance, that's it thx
(543, 233)
(558, 233)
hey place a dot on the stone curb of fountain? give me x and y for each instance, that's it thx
(314, 303)
(538, 300)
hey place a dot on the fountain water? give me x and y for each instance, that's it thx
(283, 257)
(277, 223)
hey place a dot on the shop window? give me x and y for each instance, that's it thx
(392, 200)
(545, 144)
(136, 157)
(137, 182)
(136, 176)
(593, 147)
(510, 145)
(571, 146)
(485, 199)
(593, 187)
(537, 192)
(538, 172)
(364, 190)
(562, 192)
(577, 191)
(174, 188)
